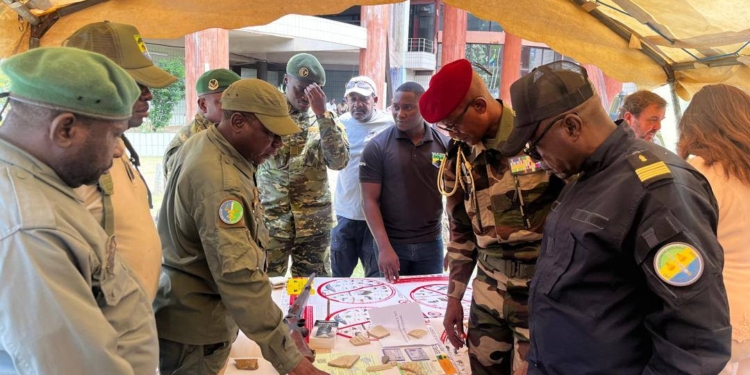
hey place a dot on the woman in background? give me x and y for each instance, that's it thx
(715, 139)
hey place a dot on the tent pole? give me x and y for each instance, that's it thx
(47, 21)
(22, 11)
(675, 101)
(625, 34)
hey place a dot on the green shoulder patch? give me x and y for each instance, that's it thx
(649, 167)
(231, 211)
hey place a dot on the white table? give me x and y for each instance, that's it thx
(423, 289)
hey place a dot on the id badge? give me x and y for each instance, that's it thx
(524, 165)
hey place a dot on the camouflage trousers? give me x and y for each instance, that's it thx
(498, 323)
(309, 254)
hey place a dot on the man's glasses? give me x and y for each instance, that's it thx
(531, 149)
(451, 128)
(251, 118)
(360, 84)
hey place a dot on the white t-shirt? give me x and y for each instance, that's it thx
(347, 200)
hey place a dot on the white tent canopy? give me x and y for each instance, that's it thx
(689, 43)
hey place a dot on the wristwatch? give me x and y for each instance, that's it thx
(326, 114)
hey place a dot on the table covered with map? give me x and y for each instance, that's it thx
(348, 301)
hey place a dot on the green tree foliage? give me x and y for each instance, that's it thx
(4, 87)
(165, 99)
(489, 56)
(4, 82)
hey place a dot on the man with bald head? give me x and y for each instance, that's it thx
(70, 305)
(497, 206)
(629, 279)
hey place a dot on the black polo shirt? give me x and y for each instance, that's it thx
(410, 202)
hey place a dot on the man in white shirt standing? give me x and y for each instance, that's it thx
(351, 239)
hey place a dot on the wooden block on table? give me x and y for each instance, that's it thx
(411, 367)
(359, 340)
(345, 361)
(417, 333)
(384, 367)
(378, 332)
(246, 363)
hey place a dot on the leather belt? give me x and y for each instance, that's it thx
(508, 267)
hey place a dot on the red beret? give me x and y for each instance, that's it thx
(448, 87)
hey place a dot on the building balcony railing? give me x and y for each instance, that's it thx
(420, 55)
(420, 45)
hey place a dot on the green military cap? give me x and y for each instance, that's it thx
(262, 99)
(215, 80)
(74, 80)
(306, 66)
(124, 45)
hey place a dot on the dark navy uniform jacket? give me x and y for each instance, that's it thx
(598, 305)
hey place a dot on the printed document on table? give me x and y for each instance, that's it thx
(359, 368)
(399, 320)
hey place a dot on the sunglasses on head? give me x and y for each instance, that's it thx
(360, 84)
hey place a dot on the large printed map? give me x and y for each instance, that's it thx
(349, 300)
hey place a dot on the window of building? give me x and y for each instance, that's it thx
(531, 57)
(490, 57)
(422, 21)
(474, 23)
(351, 16)
(442, 10)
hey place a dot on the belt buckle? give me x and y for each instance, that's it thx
(511, 268)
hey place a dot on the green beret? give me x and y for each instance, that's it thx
(215, 80)
(74, 80)
(263, 100)
(306, 66)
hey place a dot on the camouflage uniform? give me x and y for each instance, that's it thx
(503, 241)
(295, 194)
(200, 123)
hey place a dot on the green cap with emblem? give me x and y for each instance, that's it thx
(215, 80)
(262, 99)
(74, 80)
(124, 45)
(306, 66)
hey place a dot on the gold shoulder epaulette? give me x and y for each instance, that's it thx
(649, 167)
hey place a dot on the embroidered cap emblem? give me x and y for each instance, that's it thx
(213, 84)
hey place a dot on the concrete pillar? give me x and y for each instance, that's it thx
(511, 65)
(454, 34)
(597, 79)
(262, 67)
(372, 59)
(204, 50)
(613, 87)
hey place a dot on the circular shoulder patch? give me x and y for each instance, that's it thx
(231, 211)
(678, 264)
